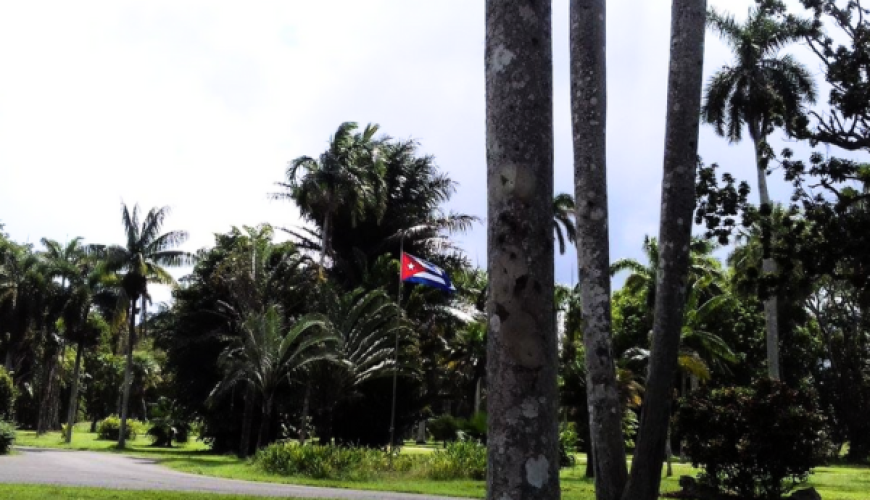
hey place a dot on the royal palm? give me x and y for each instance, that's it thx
(142, 260)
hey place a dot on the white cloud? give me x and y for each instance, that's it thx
(200, 104)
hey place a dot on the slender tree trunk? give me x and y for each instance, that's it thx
(128, 376)
(589, 123)
(324, 245)
(144, 318)
(523, 445)
(306, 408)
(74, 395)
(57, 384)
(768, 265)
(43, 419)
(675, 232)
(247, 422)
(263, 438)
(477, 389)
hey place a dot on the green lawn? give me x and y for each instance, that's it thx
(834, 483)
(39, 492)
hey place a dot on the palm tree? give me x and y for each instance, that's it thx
(21, 293)
(563, 220)
(83, 327)
(143, 259)
(255, 272)
(762, 90)
(367, 325)
(467, 357)
(642, 277)
(345, 176)
(409, 191)
(67, 263)
(266, 354)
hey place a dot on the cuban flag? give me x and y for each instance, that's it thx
(417, 270)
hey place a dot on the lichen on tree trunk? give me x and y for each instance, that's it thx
(589, 124)
(675, 231)
(523, 443)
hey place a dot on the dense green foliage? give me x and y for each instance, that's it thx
(756, 442)
(7, 437)
(458, 460)
(110, 428)
(322, 462)
(8, 394)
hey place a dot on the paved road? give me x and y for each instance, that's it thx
(108, 470)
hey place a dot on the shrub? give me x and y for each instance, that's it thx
(7, 437)
(568, 441)
(109, 428)
(755, 442)
(473, 428)
(325, 462)
(167, 425)
(459, 460)
(7, 395)
(443, 428)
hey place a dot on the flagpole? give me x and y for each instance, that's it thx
(396, 351)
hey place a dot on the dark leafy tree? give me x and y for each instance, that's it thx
(847, 70)
(268, 354)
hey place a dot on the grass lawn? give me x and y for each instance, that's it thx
(834, 483)
(39, 492)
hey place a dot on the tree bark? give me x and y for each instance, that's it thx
(128, 376)
(768, 266)
(74, 395)
(263, 437)
(247, 423)
(523, 445)
(675, 231)
(589, 124)
(324, 244)
(590, 461)
(49, 367)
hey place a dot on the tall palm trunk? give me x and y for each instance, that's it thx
(589, 122)
(306, 408)
(128, 376)
(523, 445)
(263, 437)
(324, 244)
(768, 265)
(55, 396)
(477, 392)
(247, 422)
(688, 18)
(49, 368)
(74, 395)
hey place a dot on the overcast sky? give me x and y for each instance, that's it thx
(200, 104)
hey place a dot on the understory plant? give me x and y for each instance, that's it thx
(7, 437)
(109, 428)
(755, 442)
